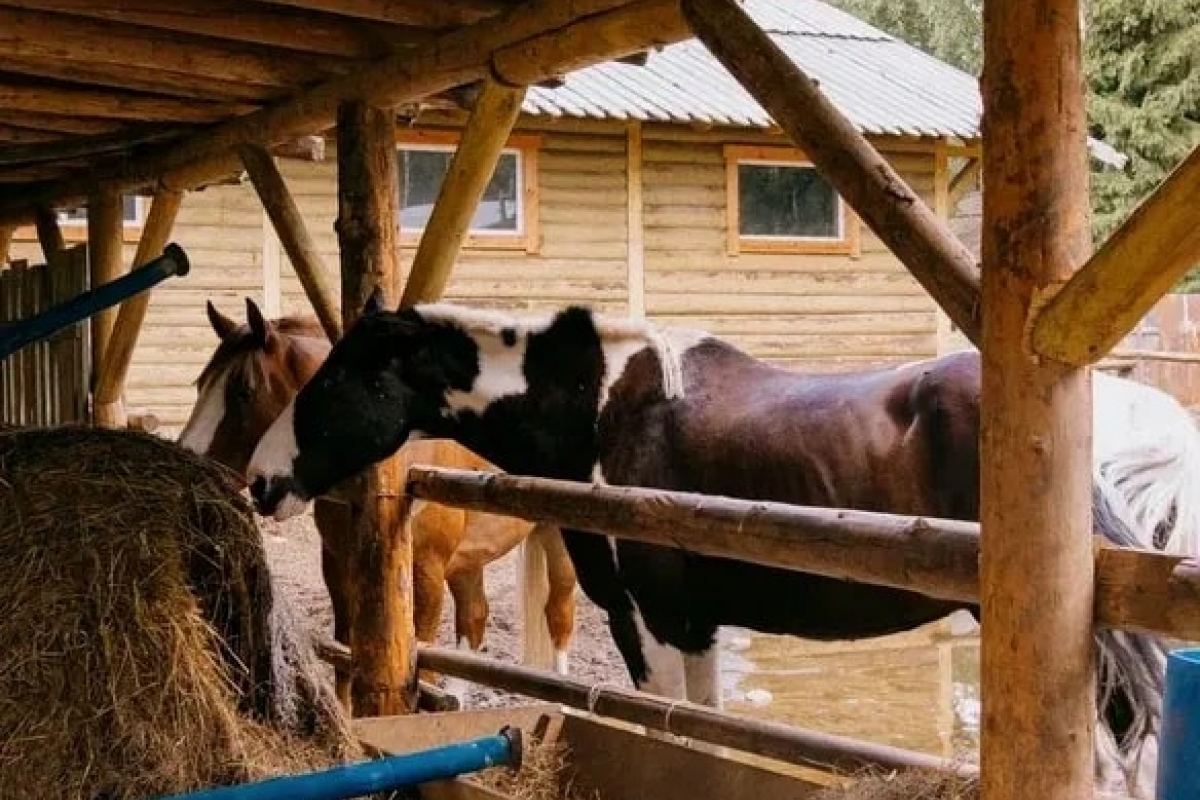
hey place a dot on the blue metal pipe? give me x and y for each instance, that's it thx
(1179, 742)
(15, 335)
(382, 775)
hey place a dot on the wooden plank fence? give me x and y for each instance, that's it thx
(45, 383)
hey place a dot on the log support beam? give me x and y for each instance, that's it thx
(1119, 285)
(471, 168)
(49, 233)
(1037, 563)
(6, 237)
(922, 241)
(293, 235)
(108, 408)
(382, 635)
(106, 245)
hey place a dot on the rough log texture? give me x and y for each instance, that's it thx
(1037, 567)
(554, 54)
(1119, 285)
(382, 635)
(83, 41)
(452, 59)
(1145, 591)
(404, 12)
(6, 236)
(470, 170)
(47, 99)
(110, 381)
(293, 235)
(106, 243)
(49, 233)
(926, 245)
(771, 739)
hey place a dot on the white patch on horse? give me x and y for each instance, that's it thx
(665, 675)
(561, 662)
(598, 478)
(206, 416)
(500, 374)
(274, 458)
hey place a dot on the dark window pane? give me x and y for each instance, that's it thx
(421, 175)
(787, 201)
(79, 213)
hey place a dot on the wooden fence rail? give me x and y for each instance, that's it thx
(45, 383)
(1137, 590)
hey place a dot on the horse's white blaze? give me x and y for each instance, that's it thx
(665, 675)
(206, 416)
(274, 458)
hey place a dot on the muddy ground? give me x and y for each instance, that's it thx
(294, 552)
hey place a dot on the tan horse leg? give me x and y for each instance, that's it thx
(333, 521)
(560, 601)
(470, 606)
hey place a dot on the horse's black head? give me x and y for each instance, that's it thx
(386, 378)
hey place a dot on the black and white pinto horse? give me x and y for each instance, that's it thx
(579, 397)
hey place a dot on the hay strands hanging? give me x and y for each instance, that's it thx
(381, 775)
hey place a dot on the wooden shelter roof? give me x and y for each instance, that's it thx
(126, 92)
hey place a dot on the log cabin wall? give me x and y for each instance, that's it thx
(804, 310)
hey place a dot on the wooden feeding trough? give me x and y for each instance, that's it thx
(570, 756)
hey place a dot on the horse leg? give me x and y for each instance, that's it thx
(428, 596)
(333, 520)
(560, 597)
(470, 618)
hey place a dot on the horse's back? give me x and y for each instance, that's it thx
(898, 439)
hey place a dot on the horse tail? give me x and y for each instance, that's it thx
(1131, 674)
(1157, 470)
(534, 576)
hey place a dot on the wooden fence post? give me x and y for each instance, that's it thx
(382, 635)
(105, 231)
(1037, 562)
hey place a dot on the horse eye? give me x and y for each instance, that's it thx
(241, 393)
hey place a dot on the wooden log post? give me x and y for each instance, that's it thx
(49, 233)
(108, 408)
(293, 235)
(382, 634)
(844, 157)
(470, 170)
(1106, 299)
(105, 232)
(1037, 562)
(6, 237)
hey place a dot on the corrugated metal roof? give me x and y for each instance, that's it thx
(883, 85)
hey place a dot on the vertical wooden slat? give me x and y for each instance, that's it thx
(635, 222)
(20, 270)
(105, 253)
(6, 376)
(1036, 565)
(381, 629)
(6, 235)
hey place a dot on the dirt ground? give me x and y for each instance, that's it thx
(294, 552)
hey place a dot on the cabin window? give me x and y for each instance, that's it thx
(506, 217)
(73, 222)
(779, 202)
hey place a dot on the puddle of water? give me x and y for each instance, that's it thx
(918, 690)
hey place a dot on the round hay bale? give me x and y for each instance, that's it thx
(143, 649)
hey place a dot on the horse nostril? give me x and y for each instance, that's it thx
(258, 489)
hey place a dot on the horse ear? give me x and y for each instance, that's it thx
(374, 304)
(263, 330)
(221, 324)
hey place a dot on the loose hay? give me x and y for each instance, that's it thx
(542, 775)
(142, 650)
(911, 784)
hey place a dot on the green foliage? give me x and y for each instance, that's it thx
(1143, 72)
(1142, 67)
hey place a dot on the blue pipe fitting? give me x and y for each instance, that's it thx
(16, 335)
(1179, 741)
(380, 775)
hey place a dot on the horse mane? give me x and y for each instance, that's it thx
(232, 351)
(667, 343)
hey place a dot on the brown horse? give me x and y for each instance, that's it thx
(577, 396)
(252, 376)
